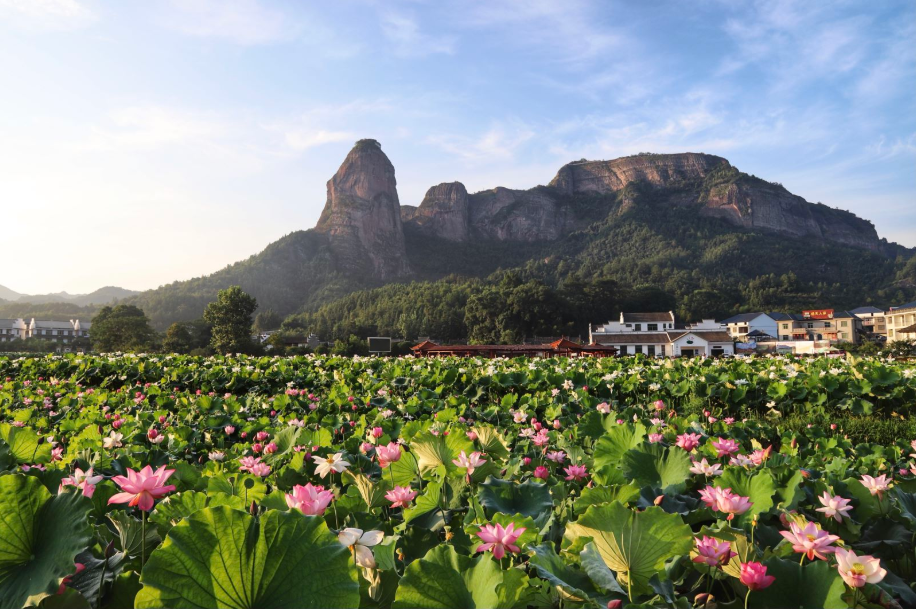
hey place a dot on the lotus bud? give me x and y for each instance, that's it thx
(705, 600)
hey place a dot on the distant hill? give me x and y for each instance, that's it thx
(689, 226)
(101, 296)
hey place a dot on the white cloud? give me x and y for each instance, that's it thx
(499, 142)
(150, 126)
(244, 22)
(55, 15)
(403, 31)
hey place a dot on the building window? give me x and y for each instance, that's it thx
(638, 349)
(826, 324)
(785, 326)
(810, 325)
(651, 350)
(785, 337)
(638, 327)
(844, 324)
(651, 327)
(661, 350)
(623, 349)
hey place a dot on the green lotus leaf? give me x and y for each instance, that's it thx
(611, 447)
(173, 508)
(527, 498)
(220, 557)
(654, 465)
(24, 444)
(41, 536)
(816, 584)
(758, 486)
(444, 579)
(245, 486)
(635, 545)
(600, 495)
(571, 583)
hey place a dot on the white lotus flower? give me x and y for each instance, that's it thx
(326, 465)
(113, 441)
(360, 542)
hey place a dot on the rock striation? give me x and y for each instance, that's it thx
(657, 170)
(362, 215)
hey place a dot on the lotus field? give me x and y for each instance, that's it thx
(174, 481)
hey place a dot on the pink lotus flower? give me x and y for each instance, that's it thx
(655, 438)
(80, 567)
(311, 500)
(688, 441)
(754, 576)
(469, 463)
(498, 539)
(575, 472)
(557, 456)
(260, 469)
(377, 432)
(760, 455)
(541, 472)
(835, 507)
(247, 463)
(876, 486)
(261, 436)
(725, 447)
(726, 501)
(858, 570)
(713, 552)
(659, 405)
(142, 488)
(388, 454)
(82, 480)
(810, 540)
(229, 429)
(472, 435)
(400, 496)
(271, 448)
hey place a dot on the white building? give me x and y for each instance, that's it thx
(64, 332)
(637, 322)
(739, 326)
(12, 329)
(873, 320)
(901, 322)
(655, 335)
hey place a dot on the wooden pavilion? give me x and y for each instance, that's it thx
(559, 348)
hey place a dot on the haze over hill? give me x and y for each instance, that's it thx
(675, 222)
(101, 296)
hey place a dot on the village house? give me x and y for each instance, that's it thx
(12, 329)
(901, 322)
(656, 335)
(874, 323)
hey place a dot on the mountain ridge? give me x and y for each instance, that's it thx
(365, 238)
(101, 296)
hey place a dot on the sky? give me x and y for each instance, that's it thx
(148, 141)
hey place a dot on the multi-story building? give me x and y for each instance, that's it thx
(874, 323)
(12, 329)
(819, 325)
(756, 324)
(901, 322)
(638, 322)
(655, 335)
(63, 332)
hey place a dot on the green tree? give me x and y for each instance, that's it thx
(229, 317)
(186, 336)
(122, 328)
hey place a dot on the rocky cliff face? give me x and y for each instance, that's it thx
(362, 215)
(444, 212)
(657, 170)
(753, 203)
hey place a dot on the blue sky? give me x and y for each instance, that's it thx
(143, 142)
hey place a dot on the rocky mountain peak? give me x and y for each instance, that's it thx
(444, 211)
(362, 215)
(658, 170)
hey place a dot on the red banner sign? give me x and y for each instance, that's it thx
(818, 314)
